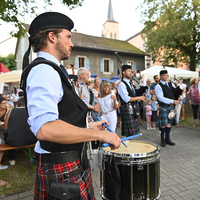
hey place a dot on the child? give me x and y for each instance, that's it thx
(155, 111)
(148, 113)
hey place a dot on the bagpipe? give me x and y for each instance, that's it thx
(177, 91)
(140, 91)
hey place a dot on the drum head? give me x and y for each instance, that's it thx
(134, 149)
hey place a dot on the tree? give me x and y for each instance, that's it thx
(9, 61)
(11, 11)
(172, 26)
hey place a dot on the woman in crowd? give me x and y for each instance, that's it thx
(95, 89)
(194, 98)
(108, 104)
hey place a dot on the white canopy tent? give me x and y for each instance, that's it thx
(155, 70)
(11, 77)
(15, 76)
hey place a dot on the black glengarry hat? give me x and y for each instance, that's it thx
(50, 20)
(44, 21)
(163, 72)
(124, 67)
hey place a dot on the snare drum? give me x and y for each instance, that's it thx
(131, 173)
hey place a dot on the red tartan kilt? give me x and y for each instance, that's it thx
(42, 181)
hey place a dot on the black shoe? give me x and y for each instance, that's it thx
(162, 143)
(170, 142)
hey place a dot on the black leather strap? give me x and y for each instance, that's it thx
(58, 158)
(65, 175)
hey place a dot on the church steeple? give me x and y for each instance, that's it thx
(110, 27)
(110, 13)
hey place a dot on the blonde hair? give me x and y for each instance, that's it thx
(153, 96)
(104, 83)
(148, 101)
(95, 80)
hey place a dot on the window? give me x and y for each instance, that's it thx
(106, 65)
(81, 62)
(111, 35)
(115, 36)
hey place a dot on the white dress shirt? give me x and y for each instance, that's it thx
(160, 95)
(44, 92)
(122, 90)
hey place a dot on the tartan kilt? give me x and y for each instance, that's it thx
(42, 181)
(163, 119)
(130, 125)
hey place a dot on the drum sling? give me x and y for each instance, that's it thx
(114, 180)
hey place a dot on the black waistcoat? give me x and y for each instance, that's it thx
(71, 108)
(130, 93)
(168, 93)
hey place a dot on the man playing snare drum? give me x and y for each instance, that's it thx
(57, 116)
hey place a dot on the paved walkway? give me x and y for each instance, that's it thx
(179, 171)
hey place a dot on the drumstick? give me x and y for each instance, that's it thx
(131, 137)
(123, 139)
(90, 118)
(104, 124)
(110, 131)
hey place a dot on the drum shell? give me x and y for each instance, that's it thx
(139, 174)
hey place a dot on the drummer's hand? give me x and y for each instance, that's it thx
(98, 125)
(110, 138)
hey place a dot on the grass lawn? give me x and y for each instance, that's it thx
(19, 178)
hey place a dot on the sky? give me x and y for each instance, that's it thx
(90, 17)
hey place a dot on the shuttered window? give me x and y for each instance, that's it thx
(106, 66)
(81, 62)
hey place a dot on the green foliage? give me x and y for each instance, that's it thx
(12, 10)
(9, 61)
(172, 26)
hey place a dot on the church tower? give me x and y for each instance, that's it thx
(110, 27)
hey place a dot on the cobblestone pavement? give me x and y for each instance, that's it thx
(179, 170)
